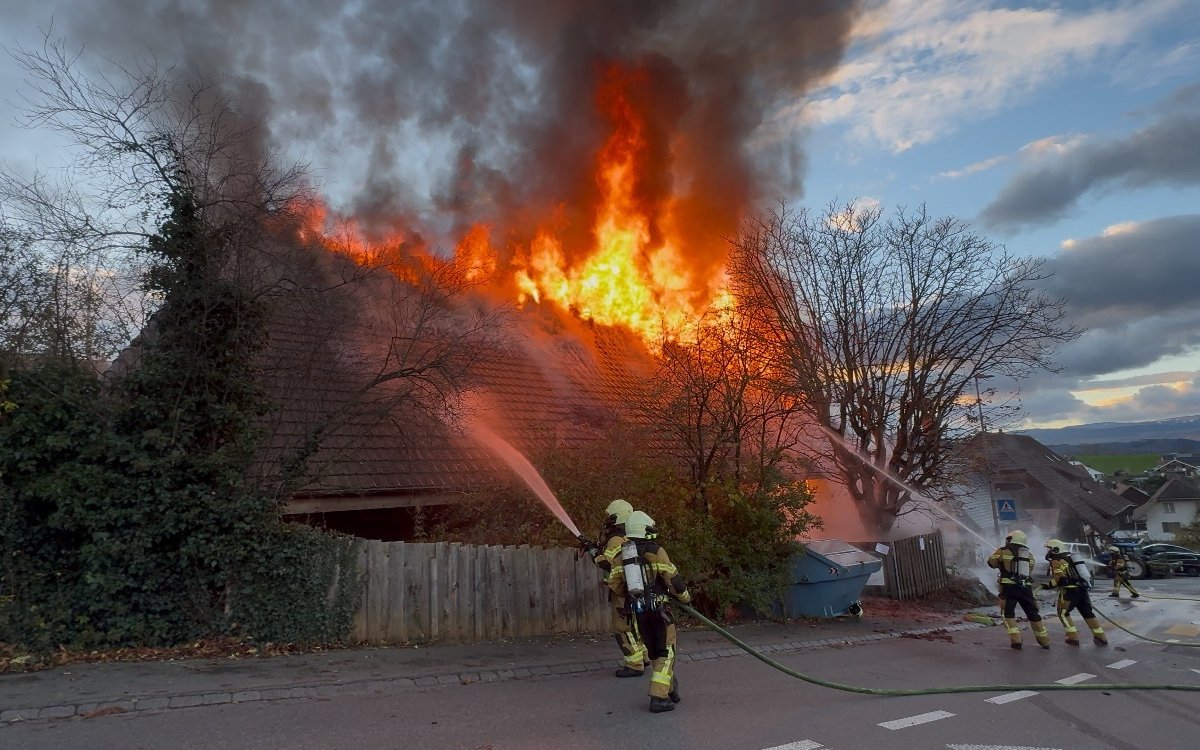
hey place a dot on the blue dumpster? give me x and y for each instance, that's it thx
(828, 579)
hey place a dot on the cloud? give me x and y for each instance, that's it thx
(919, 69)
(1051, 400)
(1132, 274)
(1053, 179)
(970, 169)
(1133, 287)
(1154, 378)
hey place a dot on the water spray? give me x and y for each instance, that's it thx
(902, 484)
(525, 470)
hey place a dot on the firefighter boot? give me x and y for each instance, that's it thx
(1040, 634)
(658, 705)
(674, 694)
(1014, 633)
(1069, 628)
(634, 652)
(1098, 636)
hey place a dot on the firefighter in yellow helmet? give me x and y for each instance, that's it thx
(1072, 593)
(1119, 567)
(1015, 563)
(624, 626)
(648, 580)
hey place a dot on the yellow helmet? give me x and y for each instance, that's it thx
(1017, 537)
(638, 525)
(1055, 545)
(618, 510)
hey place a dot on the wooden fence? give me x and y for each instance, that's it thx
(462, 593)
(915, 566)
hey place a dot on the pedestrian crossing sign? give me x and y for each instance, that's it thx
(1006, 509)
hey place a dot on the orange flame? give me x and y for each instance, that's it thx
(627, 278)
(632, 272)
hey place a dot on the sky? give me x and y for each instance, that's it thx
(1065, 130)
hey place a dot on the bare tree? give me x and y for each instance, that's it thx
(723, 403)
(883, 327)
(140, 135)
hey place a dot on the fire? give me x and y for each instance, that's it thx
(632, 270)
(634, 274)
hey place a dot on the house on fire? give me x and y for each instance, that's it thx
(357, 378)
(1042, 489)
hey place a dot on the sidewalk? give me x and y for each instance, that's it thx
(89, 690)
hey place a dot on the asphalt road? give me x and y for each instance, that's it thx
(740, 703)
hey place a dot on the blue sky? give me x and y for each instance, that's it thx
(952, 103)
(1066, 130)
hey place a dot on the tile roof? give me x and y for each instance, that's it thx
(1021, 454)
(546, 390)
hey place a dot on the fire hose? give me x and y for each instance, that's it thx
(917, 691)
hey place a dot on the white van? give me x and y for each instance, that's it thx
(1081, 554)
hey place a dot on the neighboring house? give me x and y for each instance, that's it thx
(1175, 504)
(1186, 457)
(1176, 467)
(1097, 476)
(1043, 488)
(1129, 522)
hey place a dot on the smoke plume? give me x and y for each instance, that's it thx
(434, 115)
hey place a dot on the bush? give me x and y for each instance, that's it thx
(127, 515)
(304, 588)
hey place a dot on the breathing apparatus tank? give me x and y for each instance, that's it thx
(636, 526)
(631, 563)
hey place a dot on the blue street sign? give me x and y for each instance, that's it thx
(1006, 509)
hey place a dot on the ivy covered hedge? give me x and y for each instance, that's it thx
(126, 516)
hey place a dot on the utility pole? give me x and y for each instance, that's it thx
(987, 462)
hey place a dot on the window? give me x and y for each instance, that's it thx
(1170, 527)
(1168, 507)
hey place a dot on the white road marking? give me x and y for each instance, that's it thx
(997, 747)
(1010, 697)
(1075, 678)
(801, 745)
(1197, 671)
(1122, 664)
(912, 721)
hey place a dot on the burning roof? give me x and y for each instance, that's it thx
(380, 445)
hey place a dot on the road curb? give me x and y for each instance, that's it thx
(326, 690)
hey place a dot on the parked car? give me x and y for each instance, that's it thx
(1140, 565)
(1189, 560)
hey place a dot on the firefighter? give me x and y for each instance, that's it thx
(1119, 567)
(648, 580)
(624, 626)
(1015, 564)
(1072, 593)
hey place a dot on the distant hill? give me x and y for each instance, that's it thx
(1177, 435)
(1133, 447)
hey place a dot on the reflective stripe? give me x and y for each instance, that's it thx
(1013, 630)
(660, 677)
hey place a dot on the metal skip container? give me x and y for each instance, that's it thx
(828, 579)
